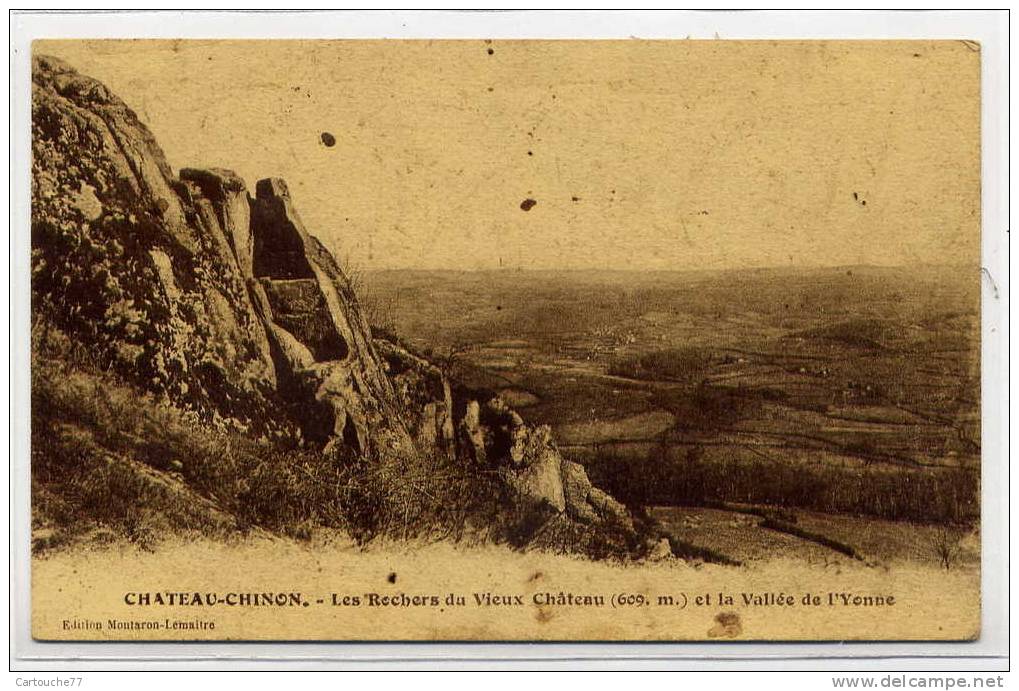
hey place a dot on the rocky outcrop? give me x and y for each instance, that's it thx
(540, 478)
(189, 286)
(223, 304)
(487, 433)
(329, 356)
(136, 264)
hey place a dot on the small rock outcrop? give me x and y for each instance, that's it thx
(541, 484)
(225, 306)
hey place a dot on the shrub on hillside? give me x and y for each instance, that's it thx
(673, 364)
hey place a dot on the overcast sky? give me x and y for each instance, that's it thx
(640, 155)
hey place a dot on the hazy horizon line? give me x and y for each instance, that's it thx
(772, 267)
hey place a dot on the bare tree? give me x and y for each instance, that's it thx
(453, 356)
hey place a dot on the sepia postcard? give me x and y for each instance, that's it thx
(505, 340)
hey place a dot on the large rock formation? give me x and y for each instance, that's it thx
(220, 302)
(135, 264)
(224, 304)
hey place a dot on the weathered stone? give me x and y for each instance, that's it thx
(609, 510)
(298, 306)
(226, 305)
(269, 188)
(307, 295)
(493, 435)
(169, 282)
(164, 272)
(473, 433)
(576, 488)
(229, 196)
(426, 435)
(86, 201)
(540, 483)
(660, 551)
(350, 417)
(296, 355)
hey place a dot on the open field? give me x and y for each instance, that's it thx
(741, 537)
(848, 391)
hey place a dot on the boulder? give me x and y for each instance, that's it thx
(473, 434)
(538, 483)
(660, 550)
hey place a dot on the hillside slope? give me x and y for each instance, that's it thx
(250, 390)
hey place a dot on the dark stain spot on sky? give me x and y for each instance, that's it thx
(491, 51)
(576, 199)
(527, 204)
(328, 139)
(392, 577)
(530, 153)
